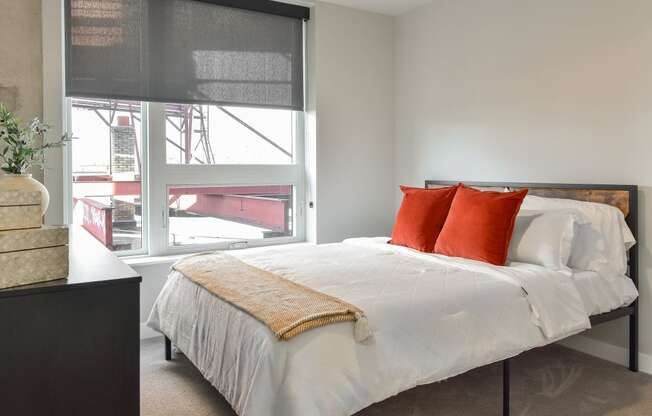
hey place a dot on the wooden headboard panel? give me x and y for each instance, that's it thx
(617, 195)
(623, 197)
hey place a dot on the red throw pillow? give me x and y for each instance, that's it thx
(421, 217)
(480, 225)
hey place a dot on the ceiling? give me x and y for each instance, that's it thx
(390, 7)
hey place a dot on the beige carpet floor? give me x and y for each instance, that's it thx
(548, 381)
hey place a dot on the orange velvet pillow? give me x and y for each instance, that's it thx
(480, 225)
(421, 216)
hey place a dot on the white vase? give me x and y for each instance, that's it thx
(25, 182)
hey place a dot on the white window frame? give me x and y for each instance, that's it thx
(144, 178)
(164, 175)
(158, 176)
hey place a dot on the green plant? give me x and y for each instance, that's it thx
(23, 145)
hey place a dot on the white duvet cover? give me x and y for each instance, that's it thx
(602, 294)
(432, 316)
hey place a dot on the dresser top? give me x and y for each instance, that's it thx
(91, 264)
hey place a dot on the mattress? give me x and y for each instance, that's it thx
(432, 317)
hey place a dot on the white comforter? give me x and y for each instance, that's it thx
(433, 317)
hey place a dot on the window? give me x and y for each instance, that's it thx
(222, 177)
(234, 187)
(208, 134)
(188, 123)
(107, 171)
(209, 214)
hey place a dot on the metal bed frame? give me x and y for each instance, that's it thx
(592, 192)
(595, 193)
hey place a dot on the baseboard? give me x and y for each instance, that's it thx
(147, 332)
(605, 351)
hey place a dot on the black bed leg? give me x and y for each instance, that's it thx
(168, 349)
(633, 339)
(506, 371)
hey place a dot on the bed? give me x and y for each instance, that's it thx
(433, 317)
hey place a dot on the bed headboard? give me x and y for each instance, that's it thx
(623, 197)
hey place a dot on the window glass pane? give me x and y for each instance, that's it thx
(208, 215)
(106, 170)
(208, 134)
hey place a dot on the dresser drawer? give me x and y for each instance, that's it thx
(72, 353)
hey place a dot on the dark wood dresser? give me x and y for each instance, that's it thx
(72, 347)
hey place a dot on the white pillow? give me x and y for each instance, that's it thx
(602, 244)
(545, 237)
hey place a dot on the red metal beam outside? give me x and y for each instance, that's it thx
(97, 185)
(98, 220)
(267, 213)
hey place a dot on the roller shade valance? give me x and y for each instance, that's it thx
(186, 51)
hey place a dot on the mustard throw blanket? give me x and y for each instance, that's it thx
(286, 307)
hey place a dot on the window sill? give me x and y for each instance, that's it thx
(151, 260)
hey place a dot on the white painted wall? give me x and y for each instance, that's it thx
(527, 90)
(351, 122)
(154, 277)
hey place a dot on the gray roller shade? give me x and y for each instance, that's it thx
(183, 51)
